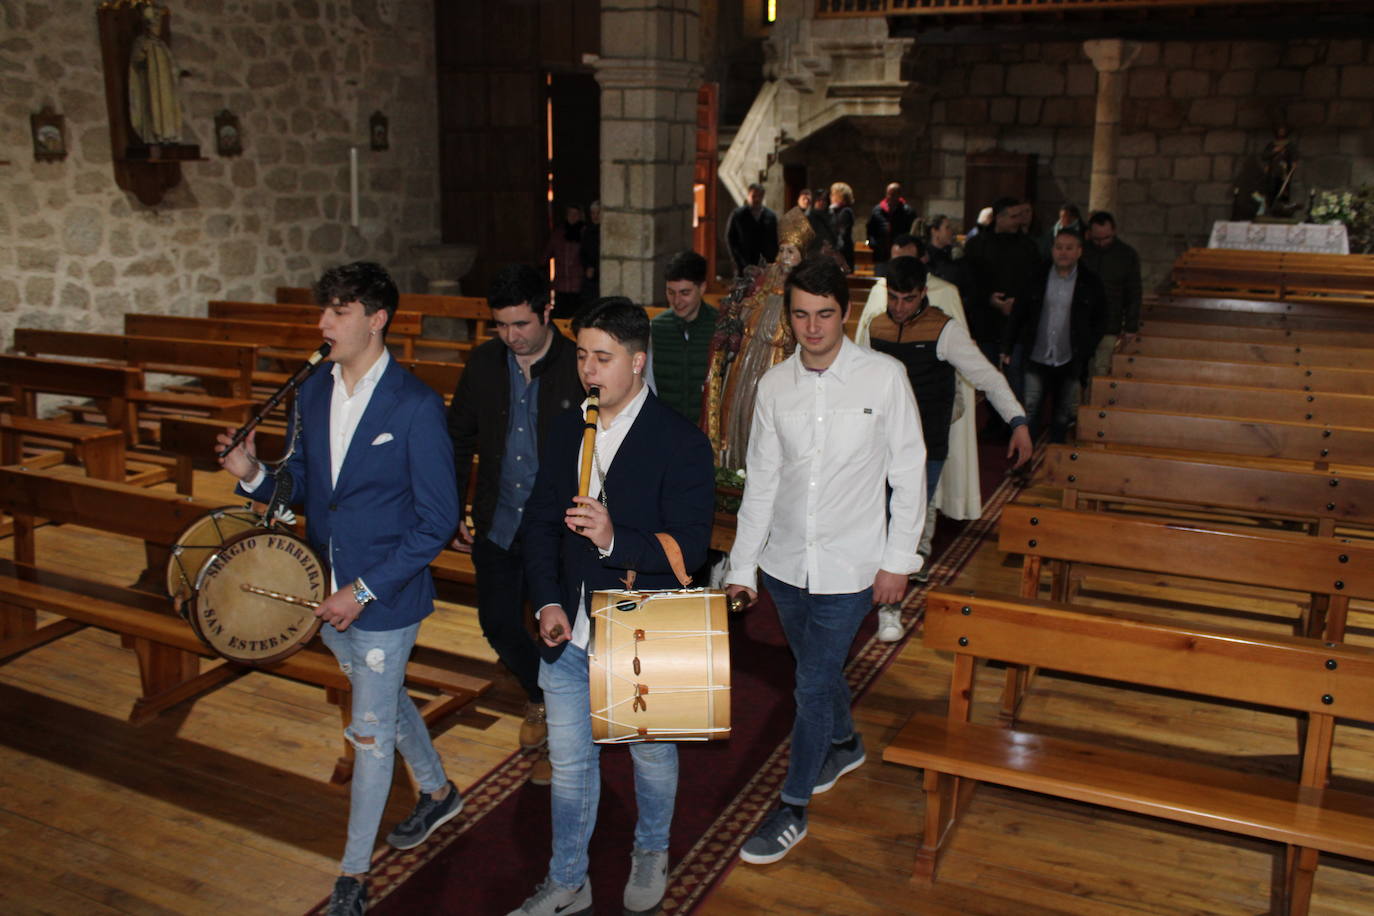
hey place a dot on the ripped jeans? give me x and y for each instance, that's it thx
(375, 662)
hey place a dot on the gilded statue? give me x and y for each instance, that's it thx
(752, 335)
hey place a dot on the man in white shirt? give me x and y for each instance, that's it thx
(834, 426)
(652, 472)
(374, 471)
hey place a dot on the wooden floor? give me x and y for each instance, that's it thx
(223, 805)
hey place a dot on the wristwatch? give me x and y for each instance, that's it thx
(361, 594)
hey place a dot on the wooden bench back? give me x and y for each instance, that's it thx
(1247, 375)
(1267, 492)
(1194, 330)
(1255, 313)
(154, 516)
(281, 336)
(111, 386)
(1294, 673)
(1271, 559)
(1227, 435)
(403, 323)
(1279, 404)
(1249, 351)
(153, 353)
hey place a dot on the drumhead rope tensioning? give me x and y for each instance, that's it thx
(659, 666)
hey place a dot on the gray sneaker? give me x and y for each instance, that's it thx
(838, 762)
(551, 899)
(781, 831)
(648, 881)
(429, 815)
(348, 899)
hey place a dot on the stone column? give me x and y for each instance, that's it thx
(1111, 57)
(649, 70)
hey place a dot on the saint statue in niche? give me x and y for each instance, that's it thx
(154, 109)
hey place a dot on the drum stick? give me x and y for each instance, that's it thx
(584, 480)
(279, 596)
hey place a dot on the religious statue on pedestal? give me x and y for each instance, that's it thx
(154, 108)
(752, 335)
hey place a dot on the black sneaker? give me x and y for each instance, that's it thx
(781, 830)
(429, 815)
(349, 898)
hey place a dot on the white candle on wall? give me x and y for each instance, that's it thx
(353, 185)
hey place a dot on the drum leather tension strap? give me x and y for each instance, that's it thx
(675, 561)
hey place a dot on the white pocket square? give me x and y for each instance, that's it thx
(383, 439)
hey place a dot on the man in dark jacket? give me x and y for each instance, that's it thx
(1057, 326)
(510, 392)
(752, 232)
(1003, 265)
(681, 336)
(1119, 267)
(889, 219)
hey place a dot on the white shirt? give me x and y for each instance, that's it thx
(1052, 346)
(345, 411)
(608, 441)
(822, 450)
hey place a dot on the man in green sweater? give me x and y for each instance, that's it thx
(1118, 265)
(682, 336)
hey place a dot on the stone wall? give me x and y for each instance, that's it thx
(76, 252)
(1195, 117)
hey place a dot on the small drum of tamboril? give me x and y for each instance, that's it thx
(200, 539)
(255, 598)
(659, 666)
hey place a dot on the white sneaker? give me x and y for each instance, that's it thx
(889, 623)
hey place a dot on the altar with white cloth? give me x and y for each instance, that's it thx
(1308, 238)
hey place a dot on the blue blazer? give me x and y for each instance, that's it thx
(662, 480)
(394, 507)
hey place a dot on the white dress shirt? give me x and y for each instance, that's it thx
(345, 411)
(822, 450)
(608, 441)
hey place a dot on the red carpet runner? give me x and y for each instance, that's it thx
(491, 857)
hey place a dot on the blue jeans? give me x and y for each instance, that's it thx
(820, 630)
(576, 760)
(375, 663)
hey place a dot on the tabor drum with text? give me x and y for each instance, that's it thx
(255, 597)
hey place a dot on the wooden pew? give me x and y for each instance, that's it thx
(1262, 314)
(1332, 570)
(1300, 676)
(111, 387)
(1196, 330)
(100, 451)
(1323, 407)
(167, 649)
(230, 364)
(1243, 374)
(1248, 351)
(118, 391)
(1276, 275)
(278, 340)
(1260, 488)
(1227, 435)
(404, 327)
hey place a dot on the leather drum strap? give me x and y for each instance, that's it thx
(674, 554)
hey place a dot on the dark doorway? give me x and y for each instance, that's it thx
(574, 150)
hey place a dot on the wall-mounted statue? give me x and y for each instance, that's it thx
(154, 106)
